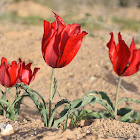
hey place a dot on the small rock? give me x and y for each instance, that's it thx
(88, 131)
(6, 129)
(24, 120)
(92, 78)
(35, 132)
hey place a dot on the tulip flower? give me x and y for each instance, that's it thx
(26, 75)
(9, 74)
(126, 61)
(60, 42)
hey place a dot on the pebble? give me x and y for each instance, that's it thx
(92, 78)
(6, 129)
(88, 131)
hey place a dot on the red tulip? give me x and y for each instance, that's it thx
(26, 75)
(61, 43)
(126, 61)
(9, 73)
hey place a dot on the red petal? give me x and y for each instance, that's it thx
(54, 25)
(3, 60)
(46, 39)
(67, 32)
(6, 80)
(25, 76)
(48, 33)
(122, 57)
(59, 18)
(132, 48)
(119, 36)
(112, 48)
(51, 51)
(111, 42)
(47, 27)
(60, 23)
(20, 60)
(28, 66)
(34, 74)
(73, 29)
(134, 64)
(71, 49)
(13, 71)
(4, 76)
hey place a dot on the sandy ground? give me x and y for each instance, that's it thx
(104, 129)
(90, 70)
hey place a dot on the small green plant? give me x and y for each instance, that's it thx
(86, 114)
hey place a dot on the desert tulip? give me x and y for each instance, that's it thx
(26, 75)
(60, 42)
(9, 74)
(126, 61)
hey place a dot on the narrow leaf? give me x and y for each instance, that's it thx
(63, 101)
(128, 99)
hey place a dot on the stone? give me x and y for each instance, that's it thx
(6, 129)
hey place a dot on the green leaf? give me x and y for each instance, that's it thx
(106, 105)
(10, 109)
(1, 91)
(126, 117)
(45, 105)
(123, 111)
(103, 95)
(16, 104)
(106, 97)
(128, 99)
(130, 117)
(79, 103)
(83, 114)
(35, 97)
(2, 97)
(56, 122)
(98, 115)
(73, 122)
(76, 103)
(135, 115)
(26, 87)
(1, 104)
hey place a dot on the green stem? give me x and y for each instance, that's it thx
(117, 92)
(4, 110)
(51, 91)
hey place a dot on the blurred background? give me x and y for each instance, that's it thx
(91, 14)
(21, 30)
